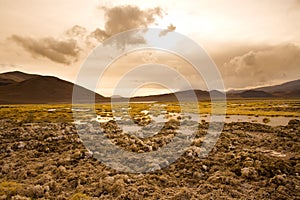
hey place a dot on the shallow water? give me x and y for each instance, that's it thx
(274, 121)
(165, 116)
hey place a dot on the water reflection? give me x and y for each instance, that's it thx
(273, 121)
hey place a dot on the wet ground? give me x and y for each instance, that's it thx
(249, 161)
(269, 120)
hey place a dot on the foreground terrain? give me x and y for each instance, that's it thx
(43, 157)
(249, 161)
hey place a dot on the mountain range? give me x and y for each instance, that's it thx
(22, 88)
(289, 89)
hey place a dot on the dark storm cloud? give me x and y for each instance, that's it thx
(59, 51)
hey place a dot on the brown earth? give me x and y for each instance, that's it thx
(249, 161)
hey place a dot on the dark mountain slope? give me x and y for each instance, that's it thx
(42, 89)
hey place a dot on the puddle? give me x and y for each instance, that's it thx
(103, 119)
(130, 128)
(78, 122)
(166, 116)
(274, 121)
(81, 109)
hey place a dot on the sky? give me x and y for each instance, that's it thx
(252, 42)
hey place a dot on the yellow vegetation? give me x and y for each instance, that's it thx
(63, 112)
(79, 196)
(9, 187)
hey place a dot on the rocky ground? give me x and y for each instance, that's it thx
(249, 161)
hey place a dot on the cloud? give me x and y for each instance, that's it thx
(59, 51)
(99, 34)
(297, 2)
(254, 68)
(76, 31)
(170, 28)
(66, 49)
(123, 18)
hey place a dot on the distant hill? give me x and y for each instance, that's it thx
(286, 90)
(28, 88)
(187, 95)
(285, 87)
(255, 94)
(21, 88)
(289, 89)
